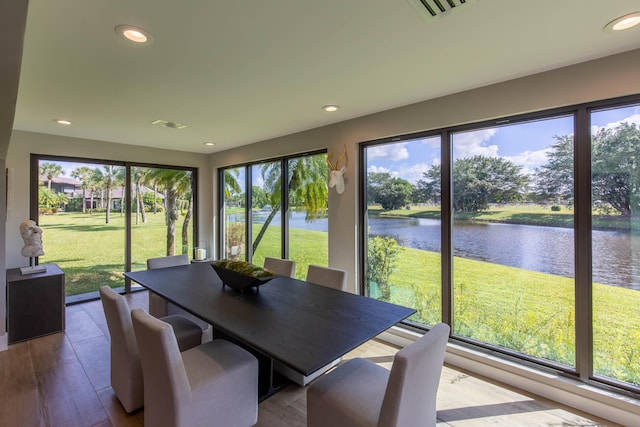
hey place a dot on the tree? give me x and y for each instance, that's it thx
(390, 192)
(259, 197)
(375, 182)
(110, 176)
(382, 258)
(50, 170)
(480, 180)
(429, 188)
(616, 168)
(177, 184)
(139, 176)
(307, 179)
(83, 174)
(231, 184)
(554, 180)
(615, 159)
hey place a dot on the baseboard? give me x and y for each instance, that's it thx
(601, 403)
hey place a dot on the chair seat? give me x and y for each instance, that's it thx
(222, 372)
(188, 334)
(359, 382)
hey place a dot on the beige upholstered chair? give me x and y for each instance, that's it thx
(361, 393)
(126, 372)
(213, 384)
(284, 267)
(159, 306)
(329, 277)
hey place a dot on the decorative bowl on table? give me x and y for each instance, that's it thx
(241, 275)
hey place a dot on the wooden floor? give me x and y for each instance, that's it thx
(63, 380)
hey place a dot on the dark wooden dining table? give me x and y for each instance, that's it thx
(296, 323)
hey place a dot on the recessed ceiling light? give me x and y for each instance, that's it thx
(62, 122)
(624, 22)
(209, 144)
(331, 108)
(134, 34)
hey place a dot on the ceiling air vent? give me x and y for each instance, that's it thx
(430, 9)
(167, 124)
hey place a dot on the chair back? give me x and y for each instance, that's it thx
(167, 261)
(126, 371)
(165, 378)
(326, 276)
(410, 396)
(283, 267)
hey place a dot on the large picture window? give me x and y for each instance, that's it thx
(523, 233)
(280, 206)
(513, 237)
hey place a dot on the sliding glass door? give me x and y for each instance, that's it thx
(161, 214)
(82, 206)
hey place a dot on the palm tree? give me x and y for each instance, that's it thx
(110, 177)
(139, 176)
(50, 170)
(177, 185)
(83, 174)
(231, 184)
(307, 177)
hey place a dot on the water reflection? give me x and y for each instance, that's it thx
(616, 255)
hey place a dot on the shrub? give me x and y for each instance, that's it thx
(555, 208)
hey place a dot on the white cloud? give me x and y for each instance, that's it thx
(433, 142)
(414, 172)
(393, 152)
(470, 144)
(379, 169)
(634, 118)
(530, 160)
(411, 173)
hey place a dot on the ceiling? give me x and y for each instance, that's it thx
(241, 71)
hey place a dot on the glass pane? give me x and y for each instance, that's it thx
(234, 180)
(403, 223)
(161, 214)
(615, 152)
(266, 201)
(513, 238)
(308, 220)
(82, 217)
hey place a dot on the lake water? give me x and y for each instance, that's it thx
(616, 255)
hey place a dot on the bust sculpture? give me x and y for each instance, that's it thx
(32, 236)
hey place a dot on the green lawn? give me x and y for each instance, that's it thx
(91, 253)
(522, 310)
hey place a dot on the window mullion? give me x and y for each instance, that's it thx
(583, 273)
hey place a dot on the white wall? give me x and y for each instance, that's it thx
(609, 77)
(22, 144)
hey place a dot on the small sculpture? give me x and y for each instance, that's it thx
(32, 236)
(336, 176)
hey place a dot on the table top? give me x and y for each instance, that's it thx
(302, 325)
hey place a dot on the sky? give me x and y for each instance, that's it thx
(524, 144)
